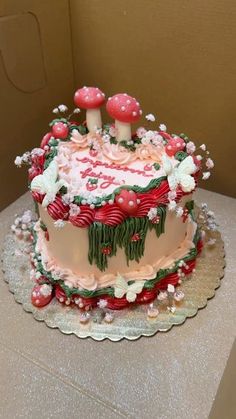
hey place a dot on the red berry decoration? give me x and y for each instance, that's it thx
(46, 235)
(185, 214)
(60, 130)
(173, 145)
(45, 140)
(106, 249)
(127, 201)
(136, 237)
(90, 186)
(41, 295)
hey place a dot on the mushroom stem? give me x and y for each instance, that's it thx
(93, 119)
(123, 131)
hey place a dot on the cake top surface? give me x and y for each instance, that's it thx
(90, 164)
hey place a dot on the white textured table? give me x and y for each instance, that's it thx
(45, 374)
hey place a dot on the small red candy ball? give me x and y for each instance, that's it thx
(173, 145)
(60, 130)
(41, 295)
(46, 139)
(127, 201)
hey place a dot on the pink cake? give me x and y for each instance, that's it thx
(116, 211)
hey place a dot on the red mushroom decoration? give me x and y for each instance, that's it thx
(41, 295)
(91, 99)
(125, 110)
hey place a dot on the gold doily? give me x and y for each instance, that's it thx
(128, 323)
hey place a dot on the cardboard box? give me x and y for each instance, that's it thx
(36, 73)
(177, 58)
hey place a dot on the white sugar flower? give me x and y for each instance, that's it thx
(37, 152)
(179, 295)
(145, 141)
(150, 117)
(74, 210)
(203, 147)
(76, 110)
(157, 140)
(190, 147)
(26, 157)
(162, 296)
(106, 138)
(62, 108)
(179, 212)
(27, 217)
(102, 303)
(171, 195)
(162, 127)
(170, 288)
(152, 213)
(206, 175)
(55, 110)
(141, 131)
(59, 223)
(172, 205)
(67, 198)
(199, 157)
(18, 161)
(209, 163)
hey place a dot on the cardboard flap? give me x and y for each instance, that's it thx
(21, 52)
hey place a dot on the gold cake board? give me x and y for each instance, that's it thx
(130, 323)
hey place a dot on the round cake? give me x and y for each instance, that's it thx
(116, 212)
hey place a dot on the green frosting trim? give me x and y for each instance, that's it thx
(50, 156)
(149, 284)
(129, 235)
(154, 183)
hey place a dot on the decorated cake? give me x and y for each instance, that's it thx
(116, 219)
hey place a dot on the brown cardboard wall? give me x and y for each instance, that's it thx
(177, 57)
(36, 73)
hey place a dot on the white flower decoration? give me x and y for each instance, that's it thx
(203, 147)
(170, 288)
(162, 127)
(190, 147)
(55, 110)
(47, 183)
(18, 161)
(206, 175)
(152, 213)
(131, 291)
(76, 110)
(102, 303)
(62, 108)
(172, 205)
(209, 163)
(141, 131)
(74, 210)
(59, 223)
(180, 174)
(150, 117)
(179, 212)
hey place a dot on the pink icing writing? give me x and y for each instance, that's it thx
(113, 166)
(108, 180)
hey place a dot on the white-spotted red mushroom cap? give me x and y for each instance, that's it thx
(124, 108)
(89, 98)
